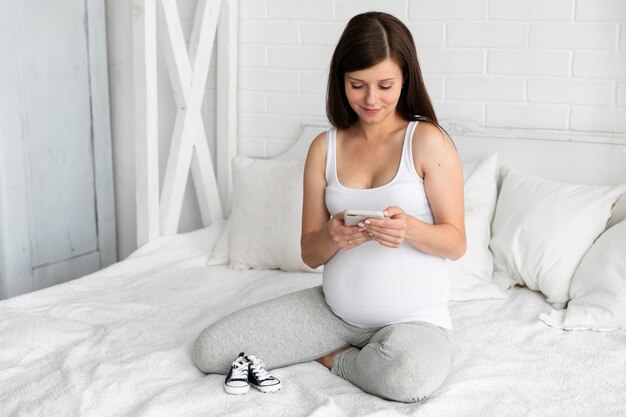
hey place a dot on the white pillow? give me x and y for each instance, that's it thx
(220, 251)
(542, 229)
(263, 230)
(598, 290)
(470, 276)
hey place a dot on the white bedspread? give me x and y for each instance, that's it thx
(117, 343)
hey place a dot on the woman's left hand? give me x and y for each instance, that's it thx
(388, 232)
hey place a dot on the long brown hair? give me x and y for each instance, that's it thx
(368, 39)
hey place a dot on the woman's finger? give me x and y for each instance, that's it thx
(386, 239)
(354, 240)
(393, 233)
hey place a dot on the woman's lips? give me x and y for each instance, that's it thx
(371, 111)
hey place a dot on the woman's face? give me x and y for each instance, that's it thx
(373, 92)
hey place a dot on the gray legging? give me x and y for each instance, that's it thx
(401, 362)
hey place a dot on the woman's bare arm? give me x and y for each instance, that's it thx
(322, 236)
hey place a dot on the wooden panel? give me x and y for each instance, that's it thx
(226, 99)
(15, 256)
(101, 128)
(57, 218)
(54, 57)
(65, 271)
(576, 162)
(146, 120)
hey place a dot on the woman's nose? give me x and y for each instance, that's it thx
(370, 97)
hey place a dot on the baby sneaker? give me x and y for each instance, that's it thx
(236, 381)
(259, 378)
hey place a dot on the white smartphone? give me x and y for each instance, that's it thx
(353, 217)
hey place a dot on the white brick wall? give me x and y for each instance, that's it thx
(445, 10)
(300, 9)
(558, 90)
(531, 10)
(599, 65)
(573, 35)
(526, 116)
(527, 64)
(487, 34)
(485, 87)
(621, 94)
(601, 10)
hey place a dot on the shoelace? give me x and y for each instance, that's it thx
(258, 368)
(240, 371)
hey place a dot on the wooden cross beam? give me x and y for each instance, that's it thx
(146, 120)
(188, 72)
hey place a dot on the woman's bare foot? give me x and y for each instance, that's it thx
(327, 360)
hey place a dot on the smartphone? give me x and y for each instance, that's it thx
(353, 217)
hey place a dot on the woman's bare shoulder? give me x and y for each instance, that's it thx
(316, 155)
(318, 145)
(432, 147)
(428, 136)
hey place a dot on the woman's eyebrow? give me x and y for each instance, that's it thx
(380, 81)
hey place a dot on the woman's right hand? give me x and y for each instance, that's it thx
(346, 237)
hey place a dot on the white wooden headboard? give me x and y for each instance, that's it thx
(568, 157)
(159, 210)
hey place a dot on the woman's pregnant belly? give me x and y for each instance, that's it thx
(374, 286)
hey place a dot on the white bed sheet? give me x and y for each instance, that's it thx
(117, 343)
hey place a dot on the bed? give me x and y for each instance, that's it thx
(118, 342)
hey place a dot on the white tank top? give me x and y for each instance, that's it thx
(372, 285)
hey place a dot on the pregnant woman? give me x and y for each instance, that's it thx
(380, 320)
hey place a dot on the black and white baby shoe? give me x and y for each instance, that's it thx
(236, 381)
(260, 378)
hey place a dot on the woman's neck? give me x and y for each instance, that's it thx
(381, 130)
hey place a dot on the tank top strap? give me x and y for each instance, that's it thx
(331, 140)
(408, 165)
